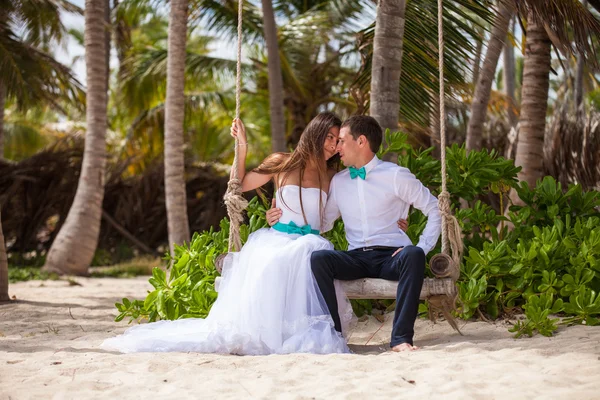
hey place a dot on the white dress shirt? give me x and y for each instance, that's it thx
(370, 208)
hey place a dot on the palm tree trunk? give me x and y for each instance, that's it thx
(275, 78)
(177, 218)
(3, 266)
(509, 82)
(534, 103)
(578, 89)
(387, 63)
(477, 61)
(486, 77)
(107, 35)
(2, 104)
(75, 244)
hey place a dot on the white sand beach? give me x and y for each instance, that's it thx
(49, 342)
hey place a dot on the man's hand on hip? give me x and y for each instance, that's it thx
(273, 214)
(403, 224)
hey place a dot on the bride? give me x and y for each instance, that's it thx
(268, 300)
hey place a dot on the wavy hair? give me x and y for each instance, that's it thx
(310, 147)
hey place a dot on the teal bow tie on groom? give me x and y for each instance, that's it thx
(354, 172)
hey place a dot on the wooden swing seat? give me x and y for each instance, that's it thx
(373, 288)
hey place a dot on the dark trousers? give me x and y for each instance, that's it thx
(407, 267)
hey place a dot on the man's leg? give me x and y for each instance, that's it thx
(328, 265)
(408, 267)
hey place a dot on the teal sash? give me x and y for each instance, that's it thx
(292, 228)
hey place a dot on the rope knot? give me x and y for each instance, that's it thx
(451, 232)
(235, 203)
(444, 203)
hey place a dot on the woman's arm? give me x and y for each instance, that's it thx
(238, 131)
(250, 180)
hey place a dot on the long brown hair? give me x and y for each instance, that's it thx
(310, 147)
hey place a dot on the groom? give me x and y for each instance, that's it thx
(371, 195)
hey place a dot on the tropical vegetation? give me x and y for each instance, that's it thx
(135, 160)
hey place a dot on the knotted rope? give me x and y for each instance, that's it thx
(451, 233)
(233, 198)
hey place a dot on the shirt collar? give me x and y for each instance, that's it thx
(371, 164)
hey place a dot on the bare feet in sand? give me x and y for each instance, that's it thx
(404, 347)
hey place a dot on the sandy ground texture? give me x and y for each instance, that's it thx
(49, 342)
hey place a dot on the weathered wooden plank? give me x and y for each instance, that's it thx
(370, 288)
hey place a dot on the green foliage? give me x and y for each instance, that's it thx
(584, 306)
(552, 251)
(470, 174)
(479, 223)
(549, 263)
(537, 311)
(29, 274)
(337, 236)
(189, 290)
(134, 267)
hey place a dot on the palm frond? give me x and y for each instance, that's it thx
(571, 26)
(144, 77)
(463, 19)
(39, 20)
(221, 17)
(22, 140)
(32, 76)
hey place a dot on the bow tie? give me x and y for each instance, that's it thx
(354, 172)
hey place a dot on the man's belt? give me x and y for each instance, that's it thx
(380, 248)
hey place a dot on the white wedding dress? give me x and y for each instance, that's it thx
(268, 300)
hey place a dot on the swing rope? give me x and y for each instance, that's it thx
(234, 201)
(451, 233)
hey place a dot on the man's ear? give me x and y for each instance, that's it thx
(362, 141)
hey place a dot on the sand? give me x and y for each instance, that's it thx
(49, 342)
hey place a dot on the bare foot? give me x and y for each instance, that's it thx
(404, 347)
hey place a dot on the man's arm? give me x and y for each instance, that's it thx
(273, 214)
(412, 191)
(332, 210)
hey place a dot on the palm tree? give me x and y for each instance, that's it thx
(74, 246)
(314, 40)
(419, 90)
(477, 59)
(2, 103)
(534, 103)
(545, 18)
(177, 219)
(509, 80)
(208, 102)
(578, 85)
(486, 75)
(387, 61)
(275, 78)
(3, 266)
(29, 76)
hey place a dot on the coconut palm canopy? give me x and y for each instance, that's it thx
(325, 49)
(325, 52)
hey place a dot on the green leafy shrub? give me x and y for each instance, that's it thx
(548, 263)
(189, 289)
(21, 274)
(537, 316)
